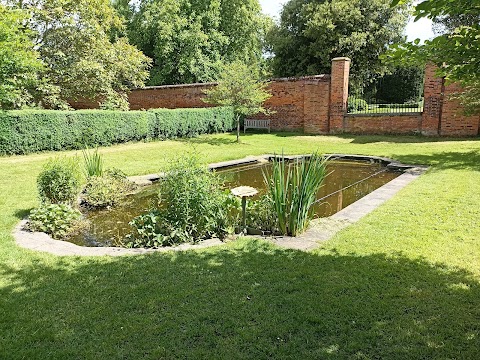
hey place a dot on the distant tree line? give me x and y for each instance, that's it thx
(56, 51)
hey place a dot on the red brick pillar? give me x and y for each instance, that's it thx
(338, 93)
(433, 98)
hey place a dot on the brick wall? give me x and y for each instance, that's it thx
(368, 124)
(318, 105)
(297, 104)
(442, 115)
(453, 121)
(169, 97)
(338, 94)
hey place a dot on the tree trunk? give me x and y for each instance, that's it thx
(238, 128)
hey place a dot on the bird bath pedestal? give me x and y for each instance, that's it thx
(244, 192)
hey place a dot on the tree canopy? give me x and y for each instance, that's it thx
(190, 40)
(19, 62)
(312, 32)
(82, 60)
(239, 87)
(456, 51)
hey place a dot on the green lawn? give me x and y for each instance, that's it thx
(403, 283)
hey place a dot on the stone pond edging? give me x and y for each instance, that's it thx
(320, 229)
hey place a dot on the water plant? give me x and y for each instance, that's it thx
(193, 206)
(93, 162)
(58, 220)
(105, 190)
(293, 188)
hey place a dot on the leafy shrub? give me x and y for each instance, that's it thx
(261, 214)
(93, 162)
(404, 84)
(58, 220)
(147, 232)
(178, 123)
(193, 207)
(59, 181)
(27, 131)
(293, 191)
(355, 104)
(106, 190)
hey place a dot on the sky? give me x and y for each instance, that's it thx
(421, 29)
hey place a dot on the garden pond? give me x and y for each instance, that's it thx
(346, 182)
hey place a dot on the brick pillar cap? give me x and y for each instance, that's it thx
(341, 59)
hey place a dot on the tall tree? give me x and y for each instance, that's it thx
(190, 40)
(74, 41)
(456, 51)
(239, 86)
(312, 32)
(19, 62)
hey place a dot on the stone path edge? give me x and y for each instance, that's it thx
(320, 230)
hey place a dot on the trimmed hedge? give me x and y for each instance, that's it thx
(27, 131)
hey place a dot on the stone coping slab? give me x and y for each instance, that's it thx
(319, 231)
(149, 179)
(42, 242)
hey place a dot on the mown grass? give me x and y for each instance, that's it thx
(403, 283)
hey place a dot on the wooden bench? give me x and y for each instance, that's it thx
(256, 124)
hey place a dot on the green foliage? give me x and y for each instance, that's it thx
(190, 40)
(178, 123)
(240, 88)
(192, 207)
(455, 52)
(73, 39)
(58, 220)
(355, 104)
(146, 232)
(19, 62)
(312, 33)
(25, 131)
(293, 189)
(261, 214)
(403, 84)
(106, 190)
(60, 181)
(93, 163)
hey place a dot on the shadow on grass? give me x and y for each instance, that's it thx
(23, 213)
(402, 139)
(251, 302)
(445, 160)
(209, 140)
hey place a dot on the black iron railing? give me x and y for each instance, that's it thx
(361, 105)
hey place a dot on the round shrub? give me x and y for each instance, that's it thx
(58, 220)
(59, 182)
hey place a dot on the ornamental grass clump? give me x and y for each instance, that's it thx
(293, 188)
(93, 162)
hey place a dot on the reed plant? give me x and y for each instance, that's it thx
(293, 188)
(93, 163)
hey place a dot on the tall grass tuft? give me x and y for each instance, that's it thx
(293, 189)
(93, 163)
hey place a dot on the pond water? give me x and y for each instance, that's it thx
(347, 182)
